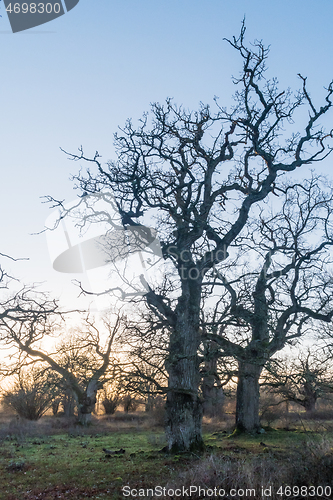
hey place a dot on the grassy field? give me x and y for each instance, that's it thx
(53, 459)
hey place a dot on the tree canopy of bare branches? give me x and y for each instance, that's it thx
(201, 174)
(302, 380)
(283, 286)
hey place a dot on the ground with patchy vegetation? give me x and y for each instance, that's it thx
(54, 459)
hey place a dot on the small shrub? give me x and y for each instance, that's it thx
(30, 396)
(110, 404)
(272, 414)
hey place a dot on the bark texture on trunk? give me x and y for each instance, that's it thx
(184, 407)
(183, 426)
(310, 396)
(247, 407)
(84, 419)
(310, 403)
(87, 402)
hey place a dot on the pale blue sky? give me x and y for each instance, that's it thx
(74, 80)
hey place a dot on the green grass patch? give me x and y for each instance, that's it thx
(78, 461)
(72, 465)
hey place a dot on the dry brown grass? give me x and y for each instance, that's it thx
(307, 465)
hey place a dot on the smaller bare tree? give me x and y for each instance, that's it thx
(283, 288)
(82, 363)
(302, 380)
(114, 389)
(212, 383)
(31, 394)
(110, 402)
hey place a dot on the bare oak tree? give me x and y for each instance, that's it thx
(286, 284)
(82, 362)
(302, 380)
(200, 173)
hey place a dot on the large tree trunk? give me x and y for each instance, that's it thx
(212, 392)
(213, 397)
(84, 419)
(310, 405)
(310, 397)
(68, 404)
(247, 406)
(149, 402)
(184, 416)
(86, 402)
(183, 407)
